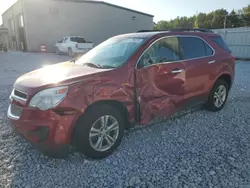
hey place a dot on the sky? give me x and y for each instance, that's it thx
(165, 9)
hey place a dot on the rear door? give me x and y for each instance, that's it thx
(198, 57)
(160, 77)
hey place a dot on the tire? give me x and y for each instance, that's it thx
(70, 52)
(57, 51)
(212, 102)
(81, 134)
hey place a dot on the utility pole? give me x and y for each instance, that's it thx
(225, 22)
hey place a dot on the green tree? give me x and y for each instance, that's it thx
(162, 25)
(246, 15)
(211, 20)
(233, 20)
(191, 21)
(218, 18)
(200, 21)
(185, 22)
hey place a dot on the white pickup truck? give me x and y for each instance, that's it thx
(73, 45)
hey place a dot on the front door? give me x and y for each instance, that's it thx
(160, 80)
(64, 46)
(59, 45)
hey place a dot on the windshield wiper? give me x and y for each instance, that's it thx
(92, 65)
(108, 67)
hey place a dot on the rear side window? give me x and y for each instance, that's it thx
(78, 39)
(208, 49)
(219, 41)
(192, 47)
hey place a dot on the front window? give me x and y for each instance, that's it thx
(164, 50)
(112, 53)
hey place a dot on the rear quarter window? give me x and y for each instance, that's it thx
(220, 42)
(78, 39)
(208, 49)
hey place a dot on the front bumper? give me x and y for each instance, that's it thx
(46, 130)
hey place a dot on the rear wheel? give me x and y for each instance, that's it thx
(218, 96)
(70, 52)
(99, 132)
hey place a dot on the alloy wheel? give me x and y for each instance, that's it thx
(104, 133)
(220, 96)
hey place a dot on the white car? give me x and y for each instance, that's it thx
(73, 45)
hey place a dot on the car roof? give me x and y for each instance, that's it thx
(142, 35)
(151, 33)
(73, 36)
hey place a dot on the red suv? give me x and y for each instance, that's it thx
(128, 79)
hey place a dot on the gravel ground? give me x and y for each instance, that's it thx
(194, 148)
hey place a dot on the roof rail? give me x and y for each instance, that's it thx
(179, 30)
(144, 31)
(192, 30)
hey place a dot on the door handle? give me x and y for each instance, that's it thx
(211, 62)
(176, 71)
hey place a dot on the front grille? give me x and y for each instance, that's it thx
(20, 94)
(15, 110)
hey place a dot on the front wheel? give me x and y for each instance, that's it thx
(99, 132)
(218, 96)
(57, 51)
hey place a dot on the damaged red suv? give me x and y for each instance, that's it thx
(128, 79)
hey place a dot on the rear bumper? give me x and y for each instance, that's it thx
(80, 51)
(46, 130)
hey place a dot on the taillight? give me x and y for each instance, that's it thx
(77, 45)
(234, 59)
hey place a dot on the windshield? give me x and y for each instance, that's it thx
(112, 53)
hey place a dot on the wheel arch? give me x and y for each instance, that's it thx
(226, 77)
(116, 104)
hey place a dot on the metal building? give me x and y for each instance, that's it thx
(43, 22)
(3, 36)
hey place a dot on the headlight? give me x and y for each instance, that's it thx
(49, 98)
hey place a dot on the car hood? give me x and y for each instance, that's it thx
(54, 75)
